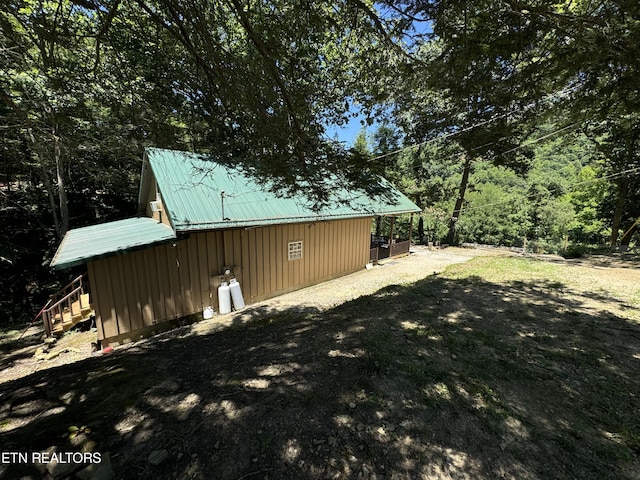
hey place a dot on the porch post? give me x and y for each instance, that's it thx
(410, 230)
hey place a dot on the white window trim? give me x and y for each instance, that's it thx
(295, 250)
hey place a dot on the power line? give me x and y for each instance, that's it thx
(531, 142)
(571, 187)
(536, 140)
(443, 137)
(561, 93)
(526, 144)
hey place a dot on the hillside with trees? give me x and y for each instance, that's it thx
(556, 202)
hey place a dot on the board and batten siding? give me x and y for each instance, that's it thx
(140, 289)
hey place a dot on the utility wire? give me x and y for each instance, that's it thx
(442, 137)
(526, 144)
(571, 187)
(561, 93)
(536, 140)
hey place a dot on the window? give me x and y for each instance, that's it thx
(295, 250)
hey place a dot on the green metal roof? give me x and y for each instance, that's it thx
(199, 194)
(192, 186)
(97, 241)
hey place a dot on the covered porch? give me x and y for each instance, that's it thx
(390, 238)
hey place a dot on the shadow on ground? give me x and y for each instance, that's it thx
(444, 378)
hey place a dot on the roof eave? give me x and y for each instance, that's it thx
(262, 222)
(115, 253)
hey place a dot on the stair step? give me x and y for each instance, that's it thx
(71, 307)
(68, 322)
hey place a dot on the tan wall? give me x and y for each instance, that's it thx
(152, 195)
(142, 288)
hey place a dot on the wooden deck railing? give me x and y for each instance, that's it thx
(70, 302)
(399, 248)
(385, 250)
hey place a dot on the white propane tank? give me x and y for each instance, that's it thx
(236, 294)
(224, 299)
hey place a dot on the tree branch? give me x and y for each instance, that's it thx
(272, 68)
(383, 31)
(103, 31)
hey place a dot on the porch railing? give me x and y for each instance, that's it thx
(385, 250)
(399, 248)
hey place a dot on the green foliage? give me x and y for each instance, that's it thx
(555, 203)
(590, 226)
(435, 221)
(491, 73)
(575, 251)
(361, 144)
(73, 431)
(84, 89)
(494, 213)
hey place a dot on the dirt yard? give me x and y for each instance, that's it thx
(496, 367)
(23, 356)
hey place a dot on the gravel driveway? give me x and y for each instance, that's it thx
(420, 263)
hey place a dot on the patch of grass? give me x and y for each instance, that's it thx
(631, 437)
(423, 332)
(504, 269)
(416, 371)
(525, 329)
(380, 351)
(4, 424)
(8, 334)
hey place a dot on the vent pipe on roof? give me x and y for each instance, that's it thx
(222, 196)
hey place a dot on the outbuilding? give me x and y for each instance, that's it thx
(200, 224)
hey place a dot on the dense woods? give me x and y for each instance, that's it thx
(509, 122)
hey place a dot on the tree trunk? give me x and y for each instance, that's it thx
(623, 190)
(47, 184)
(62, 193)
(410, 229)
(61, 221)
(52, 200)
(626, 238)
(451, 236)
